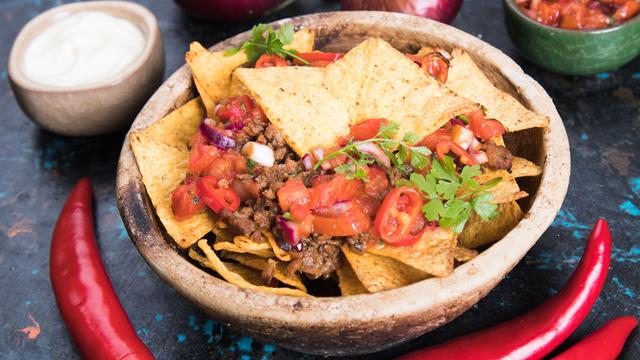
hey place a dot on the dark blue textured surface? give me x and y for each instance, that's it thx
(601, 113)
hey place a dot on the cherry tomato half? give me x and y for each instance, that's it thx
(397, 217)
(483, 128)
(215, 197)
(270, 61)
(436, 66)
(351, 222)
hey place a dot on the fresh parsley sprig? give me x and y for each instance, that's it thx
(452, 196)
(398, 151)
(266, 40)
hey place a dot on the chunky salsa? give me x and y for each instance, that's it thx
(580, 14)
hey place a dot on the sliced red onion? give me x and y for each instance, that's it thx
(307, 161)
(216, 137)
(235, 125)
(289, 230)
(456, 121)
(475, 145)
(462, 136)
(318, 153)
(375, 151)
(480, 157)
(334, 210)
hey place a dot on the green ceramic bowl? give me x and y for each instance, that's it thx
(573, 52)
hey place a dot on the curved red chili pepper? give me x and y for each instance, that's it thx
(88, 303)
(537, 333)
(445, 146)
(606, 343)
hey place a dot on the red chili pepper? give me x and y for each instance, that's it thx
(537, 333)
(603, 344)
(445, 146)
(88, 303)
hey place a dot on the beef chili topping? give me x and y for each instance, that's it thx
(369, 189)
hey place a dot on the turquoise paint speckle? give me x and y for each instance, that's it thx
(35, 271)
(159, 317)
(207, 330)
(141, 273)
(630, 208)
(28, 302)
(630, 256)
(268, 348)
(193, 324)
(636, 75)
(584, 136)
(576, 234)
(122, 234)
(245, 357)
(635, 185)
(567, 220)
(625, 290)
(181, 338)
(3, 74)
(635, 251)
(602, 76)
(143, 332)
(3, 194)
(245, 344)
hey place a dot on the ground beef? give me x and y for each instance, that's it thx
(241, 219)
(499, 157)
(359, 242)
(319, 257)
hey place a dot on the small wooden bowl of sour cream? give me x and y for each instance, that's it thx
(87, 68)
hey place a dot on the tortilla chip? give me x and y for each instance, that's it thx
(378, 273)
(280, 273)
(161, 154)
(225, 270)
(372, 80)
(212, 70)
(432, 254)
(508, 190)
(477, 233)
(466, 79)
(348, 281)
(462, 254)
(232, 247)
(280, 254)
(222, 232)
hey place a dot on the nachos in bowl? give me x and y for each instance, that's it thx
(296, 171)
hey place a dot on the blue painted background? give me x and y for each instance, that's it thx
(601, 113)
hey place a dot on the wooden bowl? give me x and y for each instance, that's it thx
(363, 323)
(97, 108)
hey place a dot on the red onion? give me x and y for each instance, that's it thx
(289, 230)
(235, 125)
(307, 161)
(440, 10)
(375, 151)
(318, 153)
(216, 137)
(334, 210)
(456, 121)
(227, 10)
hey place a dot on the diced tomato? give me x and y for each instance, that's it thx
(430, 141)
(234, 108)
(338, 189)
(320, 179)
(294, 197)
(351, 222)
(436, 66)
(483, 128)
(270, 61)
(201, 158)
(397, 217)
(185, 202)
(378, 182)
(548, 13)
(628, 10)
(367, 128)
(444, 147)
(215, 197)
(317, 58)
(198, 139)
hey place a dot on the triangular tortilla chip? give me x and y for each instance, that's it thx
(212, 69)
(162, 155)
(477, 233)
(463, 254)
(466, 79)
(372, 80)
(378, 273)
(348, 281)
(508, 190)
(432, 254)
(226, 271)
(232, 247)
(259, 263)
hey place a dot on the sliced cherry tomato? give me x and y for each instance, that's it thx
(270, 61)
(445, 147)
(397, 216)
(367, 129)
(317, 58)
(353, 221)
(430, 141)
(483, 128)
(185, 202)
(338, 189)
(436, 66)
(201, 158)
(415, 58)
(378, 182)
(294, 197)
(215, 197)
(234, 108)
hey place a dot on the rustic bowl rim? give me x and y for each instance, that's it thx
(151, 33)
(471, 280)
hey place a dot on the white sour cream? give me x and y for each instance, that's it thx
(83, 48)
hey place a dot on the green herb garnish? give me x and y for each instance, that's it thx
(251, 165)
(287, 216)
(266, 40)
(463, 118)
